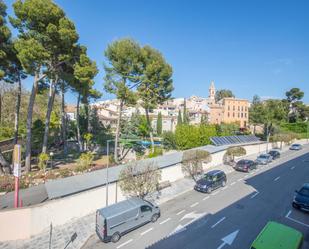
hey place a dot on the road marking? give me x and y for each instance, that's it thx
(292, 167)
(194, 204)
(164, 221)
(205, 198)
(239, 179)
(233, 183)
(125, 243)
(219, 221)
(254, 195)
(180, 212)
(229, 239)
(214, 193)
(147, 231)
(297, 221)
(187, 215)
(224, 187)
(277, 178)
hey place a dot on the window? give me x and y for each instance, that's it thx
(228, 114)
(228, 108)
(242, 108)
(245, 114)
(238, 114)
(242, 115)
(238, 108)
(233, 114)
(145, 209)
(233, 108)
(304, 191)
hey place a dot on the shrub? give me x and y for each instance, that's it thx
(157, 152)
(43, 158)
(192, 162)
(138, 179)
(84, 161)
(169, 141)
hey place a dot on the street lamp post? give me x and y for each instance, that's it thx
(107, 166)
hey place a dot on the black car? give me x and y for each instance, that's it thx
(245, 165)
(210, 181)
(274, 153)
(301, 198)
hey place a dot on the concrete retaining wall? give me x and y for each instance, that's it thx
(24, 222)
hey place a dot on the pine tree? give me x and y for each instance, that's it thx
(159, 124)
(185, 114)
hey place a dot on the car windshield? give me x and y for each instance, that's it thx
(304, 191)
(149, 203)
(208, 177)
(263, 156)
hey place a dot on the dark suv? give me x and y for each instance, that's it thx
(210, 181)
(274, 154)
(301, 198)
(245, 165)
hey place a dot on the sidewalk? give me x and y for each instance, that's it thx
(85, 226)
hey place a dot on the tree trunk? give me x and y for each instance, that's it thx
(0, 107)
(29, 121)
(118, 132)
(4, 164)
(63, 121)
(51, 97)
(150, 129)
(17, 109)
(77, 124)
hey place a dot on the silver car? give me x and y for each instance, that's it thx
(296, 147)
(264, 159)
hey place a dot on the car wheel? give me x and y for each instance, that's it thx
(223, 183)
(209, 190)
(295, 205)
(154, 218)
(116, 237)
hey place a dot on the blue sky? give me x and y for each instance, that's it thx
(250, 46)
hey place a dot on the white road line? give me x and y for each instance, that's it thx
(277, 178)
(219, 221)
(297, 221)
(166, 220)
(292, 167)
(239, 179)
(180, 212)
(214, 193)
(125, 243)
(254, 195)
(205, 198)
(233, 183)
(147, 231)
(194, 204)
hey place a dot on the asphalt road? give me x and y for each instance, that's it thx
(230, 217)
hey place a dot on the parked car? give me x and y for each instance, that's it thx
(115, 220)
(274, 154)
(245, 165)
(301, 198)
(263, 159)
(275, 235)
(296, 147)
(210, 181)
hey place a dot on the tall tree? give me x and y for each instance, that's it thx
(5, 35)
(223, 93)
(159, 124)
(256, 112)
(294, 97)
(179, 118)
(37, 22)
(122, 76)
(64, 38)
(185, 118)
(156, 84)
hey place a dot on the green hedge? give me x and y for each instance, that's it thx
(300, 127)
